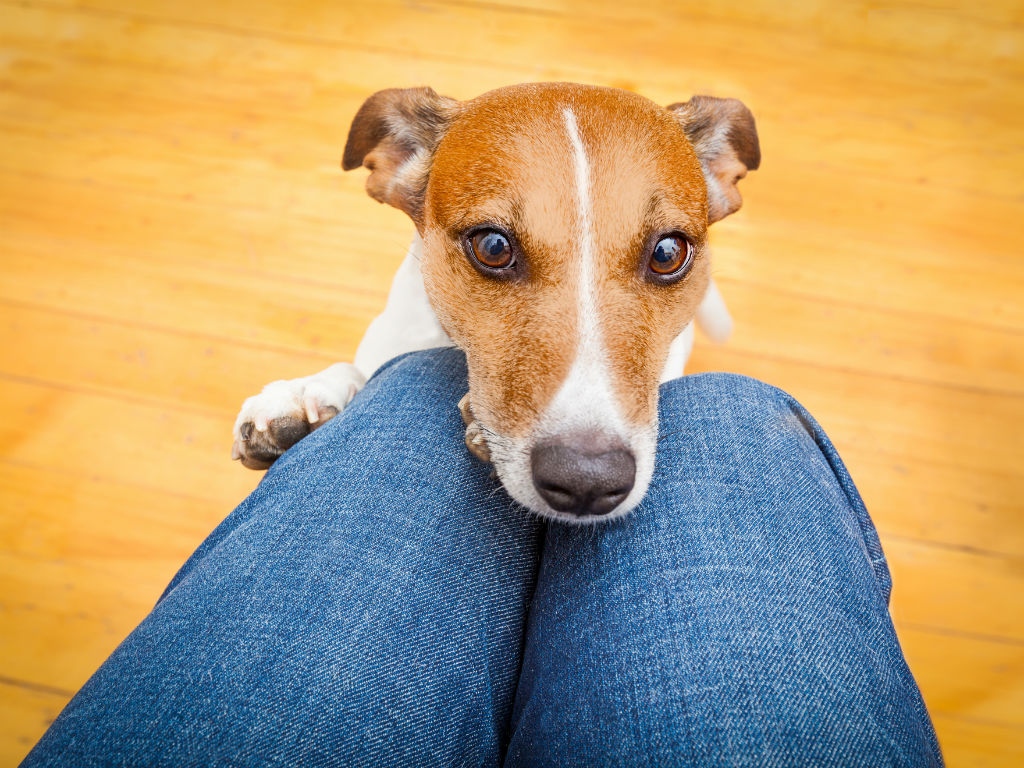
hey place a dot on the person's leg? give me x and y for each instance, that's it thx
(737, 617)
(364, 606)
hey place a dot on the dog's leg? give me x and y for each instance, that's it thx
(713, 316)
(408, 322)
(714, 320)
(286, 411)
(678, 354)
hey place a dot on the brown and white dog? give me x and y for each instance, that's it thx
(562, 244)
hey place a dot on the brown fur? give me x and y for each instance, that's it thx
(506, 159)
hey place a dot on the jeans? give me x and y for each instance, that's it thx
(379, 600)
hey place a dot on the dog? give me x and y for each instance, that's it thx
(561, 243)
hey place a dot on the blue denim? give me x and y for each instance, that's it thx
(380, 601)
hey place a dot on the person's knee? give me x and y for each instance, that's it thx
(730, 395)
(739, 420)
(726, 437)
(408, 407)
(441, 366)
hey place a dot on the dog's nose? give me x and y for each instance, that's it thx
(582, 481)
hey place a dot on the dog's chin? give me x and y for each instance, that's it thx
(511, 459)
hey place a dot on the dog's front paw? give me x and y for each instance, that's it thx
(286, 411)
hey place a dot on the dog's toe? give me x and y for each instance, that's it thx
(258, 449)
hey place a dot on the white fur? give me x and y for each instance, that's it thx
(713, 319)
(678, 354)
(408, 322)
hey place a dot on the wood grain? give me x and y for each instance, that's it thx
(175, 232)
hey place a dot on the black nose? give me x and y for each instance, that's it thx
(582, 480)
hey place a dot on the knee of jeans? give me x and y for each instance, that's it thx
(717, 411)
(733, 403)
(744, 394)
(420, 389)
(727, 418)
(449, 359)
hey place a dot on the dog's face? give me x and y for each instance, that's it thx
(564, 231)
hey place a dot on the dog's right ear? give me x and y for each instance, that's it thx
(394, 134)
(724, 137)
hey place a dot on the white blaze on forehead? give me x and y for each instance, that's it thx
(586, 234)
(585, 401)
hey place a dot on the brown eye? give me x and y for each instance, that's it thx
(671, 256)
(492, 249)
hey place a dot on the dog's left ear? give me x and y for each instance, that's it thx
(723, 133)
(394, 134)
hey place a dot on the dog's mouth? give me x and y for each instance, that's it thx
(582, 477)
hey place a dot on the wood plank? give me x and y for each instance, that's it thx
(979, 745)
(947, 505)
(887, 94)
(188, 54)
(124, 359)
(87, 557)
(898, 419)
(94, 601)
(842, 335)
(909, 497)
(913, 346)
(129, 442)
(79, 516)
(905, 344)
(927, 228)
(41, 211)
(987, 593)
(431, 26)
(285, 314)
(970, 679)
(26, 711)
(360, 248)
(59, 427)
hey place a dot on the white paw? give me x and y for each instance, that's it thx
(286, 411)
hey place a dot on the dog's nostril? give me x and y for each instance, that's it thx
(573, 480)
(563, 496)
(618, 493)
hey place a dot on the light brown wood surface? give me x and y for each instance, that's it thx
(175, 232)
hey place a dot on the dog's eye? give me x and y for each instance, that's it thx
(492, 249)
(671, 257)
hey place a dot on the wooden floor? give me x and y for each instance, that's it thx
(175, 231)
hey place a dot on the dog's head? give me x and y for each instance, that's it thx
(564, 231)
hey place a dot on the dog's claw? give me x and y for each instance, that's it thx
(476, 442)
(467, 414)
